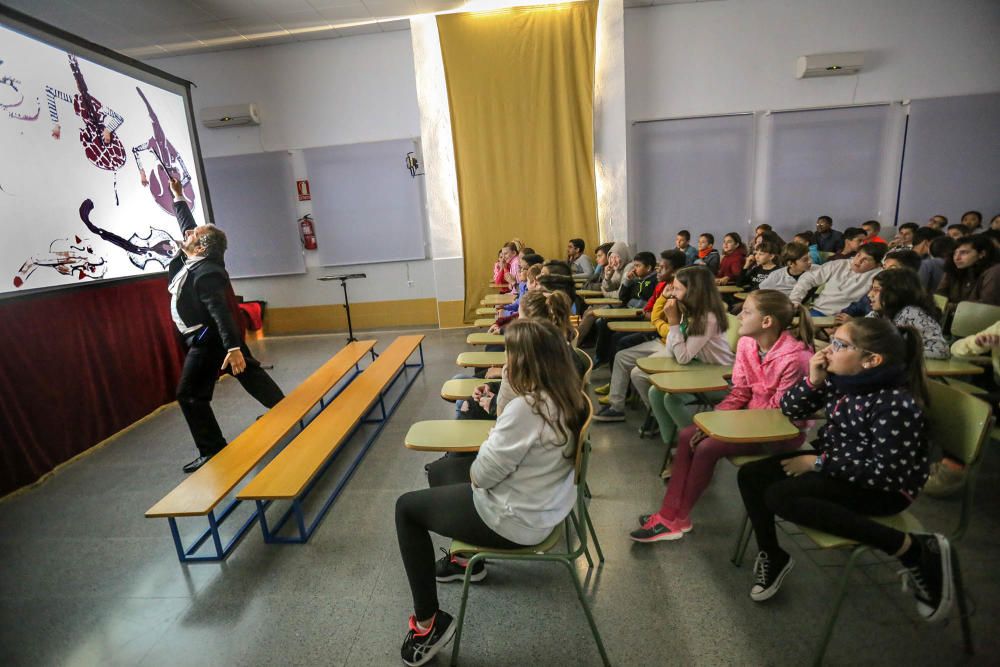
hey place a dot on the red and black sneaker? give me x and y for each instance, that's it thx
(420, 646)
(448, 568)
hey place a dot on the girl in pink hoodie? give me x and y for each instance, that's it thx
(770, 358)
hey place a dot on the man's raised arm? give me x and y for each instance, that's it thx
(184, 216)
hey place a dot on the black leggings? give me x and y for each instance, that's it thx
(446, 510)
(817, 501)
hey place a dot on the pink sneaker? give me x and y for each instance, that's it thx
(682, 525)
(656, 530)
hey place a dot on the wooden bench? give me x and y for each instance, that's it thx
(293, 473)
(201, 492)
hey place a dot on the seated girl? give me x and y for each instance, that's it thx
(698, 323)
(771, 357)
(734, 254)
(898, 297)
(516, 490)
(870, 460)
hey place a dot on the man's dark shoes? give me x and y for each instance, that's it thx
(197, 463)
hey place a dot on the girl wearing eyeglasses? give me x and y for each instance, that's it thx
(870, 460)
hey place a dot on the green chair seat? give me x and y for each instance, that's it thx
(904, 522)
(966, 387)
(740, 461)
(545, 546)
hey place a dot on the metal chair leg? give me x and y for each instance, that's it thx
(742, 541)
(593, 534)
(647, 424)
(963, 609)
(461, 610)
(838, 601)
(586, 610)
(586, 551)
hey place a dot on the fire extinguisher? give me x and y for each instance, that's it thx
(308, 234)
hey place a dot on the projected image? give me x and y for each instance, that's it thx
(72, 209)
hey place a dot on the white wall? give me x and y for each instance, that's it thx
(322, 93)
(739, 55)
(687, 59)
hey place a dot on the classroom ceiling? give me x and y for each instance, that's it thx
(148, 29)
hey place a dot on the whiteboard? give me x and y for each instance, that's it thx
(366, 206)
(253, 201)
(55, 106)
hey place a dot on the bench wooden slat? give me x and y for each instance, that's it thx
(210, 484)
(287, 475)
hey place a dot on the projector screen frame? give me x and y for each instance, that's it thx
(101, 55)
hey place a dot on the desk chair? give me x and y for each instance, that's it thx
(959, 424)
(544, 551)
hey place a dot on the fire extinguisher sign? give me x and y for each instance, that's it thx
(303, 189)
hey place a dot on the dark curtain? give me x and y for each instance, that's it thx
(78, 365)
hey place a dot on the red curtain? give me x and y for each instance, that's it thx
(78, 365)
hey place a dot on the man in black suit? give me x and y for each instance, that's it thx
(199, 305)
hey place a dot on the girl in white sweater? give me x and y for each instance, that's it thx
(520, 484)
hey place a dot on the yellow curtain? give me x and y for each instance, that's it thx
(521, 91)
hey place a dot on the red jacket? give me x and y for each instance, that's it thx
(657, 291)
(731, 265)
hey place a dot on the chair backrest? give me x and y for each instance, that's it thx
(960, 424)
(971, 318)
(582, 445)
(733, 332)
(942, 303)
(590, 366)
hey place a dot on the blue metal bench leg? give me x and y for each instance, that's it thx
(177, 539)
(214, 527)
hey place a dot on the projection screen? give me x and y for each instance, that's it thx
(87, 141)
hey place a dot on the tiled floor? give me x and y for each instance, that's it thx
(85, 579)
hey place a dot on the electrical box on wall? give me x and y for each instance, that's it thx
(829, 64)
(229, 116)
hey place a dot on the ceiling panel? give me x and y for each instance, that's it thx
(154, 28)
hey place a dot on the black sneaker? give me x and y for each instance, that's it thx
(768, 574)
(419, 649)
(644, 519)
(448, 569)
(931, 578)
(609, 414)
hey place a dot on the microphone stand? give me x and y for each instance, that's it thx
(347, 304)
